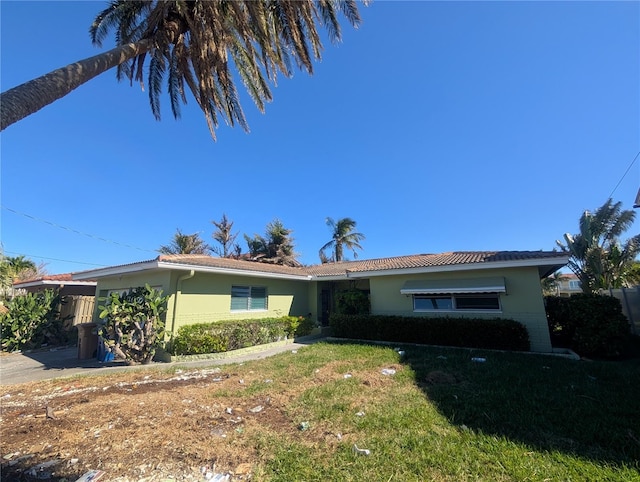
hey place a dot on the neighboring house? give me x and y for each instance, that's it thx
(568, 284)
(201, 288)
(79, 296)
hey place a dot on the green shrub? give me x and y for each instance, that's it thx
(494, 333)
(589, 324)
(32, 320)
(561, 323)
(198, 339)
(352, 302)
(305, 326)
(226, 335)
(133, 326)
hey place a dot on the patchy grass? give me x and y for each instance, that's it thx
(440, 417)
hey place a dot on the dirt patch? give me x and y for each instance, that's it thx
(153, 425)
(180, 425)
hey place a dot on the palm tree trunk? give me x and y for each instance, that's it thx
(30, 97)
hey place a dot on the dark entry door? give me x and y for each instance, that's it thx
(325, 307)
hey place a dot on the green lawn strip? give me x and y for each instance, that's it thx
(513, 417)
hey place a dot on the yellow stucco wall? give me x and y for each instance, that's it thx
(156, 279)
(207, 297)
(522, 302)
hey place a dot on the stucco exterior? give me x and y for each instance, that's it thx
(522, 302)
(206, 297)
(199, 287)
(160, 280)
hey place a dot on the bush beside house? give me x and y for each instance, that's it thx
(227, 335)
(32, 320)
(494, 333)
(133, 327)
(590, 324)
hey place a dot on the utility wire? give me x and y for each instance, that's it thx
(75, 230)
(623, 176)
(55, 259)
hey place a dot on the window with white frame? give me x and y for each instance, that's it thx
(457, 302)
(476, 294)
(248, 298)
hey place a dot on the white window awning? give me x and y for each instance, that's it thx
(454, 286)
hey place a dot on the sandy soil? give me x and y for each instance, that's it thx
(155, 426)
(141, 427)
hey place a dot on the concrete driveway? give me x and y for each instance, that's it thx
(39, 365)
(46, 364)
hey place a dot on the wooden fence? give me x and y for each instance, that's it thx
(79, 307)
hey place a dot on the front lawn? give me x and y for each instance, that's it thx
(432, 414)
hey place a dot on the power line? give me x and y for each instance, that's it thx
(54, 259)
(99, 238)
(623, 176)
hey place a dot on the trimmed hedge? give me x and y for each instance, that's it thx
(226, 335)
(495, 333)
(590, 324)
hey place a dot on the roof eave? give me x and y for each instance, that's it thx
(116, 270)
(544, 265)
(30, 284)
(333, 277)
(241, 272)
(556, 262)
(155, 264)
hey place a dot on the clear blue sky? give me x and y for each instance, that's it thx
(436, 126)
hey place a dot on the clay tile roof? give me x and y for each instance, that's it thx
(230, 263)
(342, 268)
(63, 277)
(429, 260)
(57, 277)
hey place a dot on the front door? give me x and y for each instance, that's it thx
(325, 306)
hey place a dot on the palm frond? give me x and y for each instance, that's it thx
(251, 77)
(196, 43)
(349, 9)
(157, 69)
(329, 19)
(176, 93)
(104, 22)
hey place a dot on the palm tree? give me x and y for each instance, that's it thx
(343, 237)
(185, 244)
(598, 258)
(15, 269)
(19, 264)
(551, 284)
(193, 44)
(275, 247)
(223, 235)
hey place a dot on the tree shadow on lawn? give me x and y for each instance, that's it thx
(583, 408)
